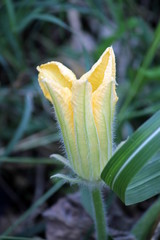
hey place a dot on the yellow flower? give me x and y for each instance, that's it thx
(85, 110)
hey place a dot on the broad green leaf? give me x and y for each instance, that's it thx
(127, 173)
(146, 183)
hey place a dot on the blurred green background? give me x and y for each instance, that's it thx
(75, 33)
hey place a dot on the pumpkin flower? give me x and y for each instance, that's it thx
(85, 110)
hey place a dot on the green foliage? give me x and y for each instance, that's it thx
(126, 172)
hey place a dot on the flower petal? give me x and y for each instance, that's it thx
(103, 103)
(96, 75)
(57, 74)
(85, 130)
(61, 99)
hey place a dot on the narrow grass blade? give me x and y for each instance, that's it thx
(29, 160)
(30, 210)
(144, 112)
(22, 126)
(137, 83)
(31, 143)
(45, 18)
(19, 238)
(5, 65)
(10, 46)
(11, 13)
(26, 20)
(124, 173)
(143, 227)
(152, 73)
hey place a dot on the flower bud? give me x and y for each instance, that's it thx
(85, 110)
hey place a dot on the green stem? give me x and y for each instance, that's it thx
(99, 214)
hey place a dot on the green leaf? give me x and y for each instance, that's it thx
(144, 226)
(22, 126)
(31, 143)
(152, 73)
(140, 113)
(30, 160)
(42, 17)
(11, 13)
(140, 79)
(129, 172)
(146, 183)
(19, 238)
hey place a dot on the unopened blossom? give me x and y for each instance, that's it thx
(85, 110)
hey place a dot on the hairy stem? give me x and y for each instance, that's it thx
(99, 214)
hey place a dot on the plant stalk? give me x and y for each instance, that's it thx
(99, 214)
